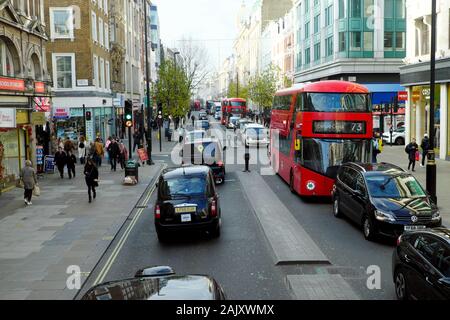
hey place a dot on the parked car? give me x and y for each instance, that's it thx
(187, 200)
(158, 283)
(208, 151)
(383, 199)
(398, 136)
(255, 135)
(421, 265)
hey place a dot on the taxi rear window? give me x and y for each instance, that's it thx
(183, 186)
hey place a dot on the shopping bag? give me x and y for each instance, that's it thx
(37, 191)
(417, 155)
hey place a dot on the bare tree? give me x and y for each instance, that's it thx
(195, 62)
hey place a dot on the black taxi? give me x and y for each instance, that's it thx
(187, 199)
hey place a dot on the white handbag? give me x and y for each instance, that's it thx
(37, 191)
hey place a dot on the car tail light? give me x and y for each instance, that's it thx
(157, 212)
(214, 208)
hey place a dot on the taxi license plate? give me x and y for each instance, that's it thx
(185, 218)
(185, 209)
(412, 228)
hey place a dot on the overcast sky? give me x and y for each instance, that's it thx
(211, 22)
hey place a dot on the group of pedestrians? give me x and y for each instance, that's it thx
(412, 149)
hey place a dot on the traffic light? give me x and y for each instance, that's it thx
(386, 108)
(128, 114)
(88, 116)
(395, 104)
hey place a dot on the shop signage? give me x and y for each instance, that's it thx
(82, 82)
(426, 93)
(42, 104)
(76, 112)
(38, 118)
(12, 84)
(61, 113)
(416, 95)
(22, 117)
(402, 96)
(39, 155)
(7, 118)
(39, 87)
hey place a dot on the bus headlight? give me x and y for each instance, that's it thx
(310, 185)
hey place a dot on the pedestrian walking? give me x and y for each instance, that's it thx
(68, 146)
(114, 152)
(82, 150)
(71, 161)
(412, 150)
(136, 140)
(376, 150)
(123, 156)
(99, 152)
(425, 145)
(108, 142)
(29, 180)
(91, 177)
(60, 161)
(193, 120)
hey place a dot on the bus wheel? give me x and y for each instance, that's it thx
(291, 183)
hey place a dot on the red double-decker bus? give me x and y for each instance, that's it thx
(315, 128)
(233, 107)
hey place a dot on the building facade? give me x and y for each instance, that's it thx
(80, 64)
(415, 74)
(24, 87)
(355, 40)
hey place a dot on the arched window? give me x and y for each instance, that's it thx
(6, 60)
(35, 70)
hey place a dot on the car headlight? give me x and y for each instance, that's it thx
(436, 216)
(384, 216)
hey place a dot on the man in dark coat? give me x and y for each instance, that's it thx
(425, 145)
(60, 161)
(411, 149)
(71, 161)
(91, 177)
(114, 152)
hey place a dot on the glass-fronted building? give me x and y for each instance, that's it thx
(362, 41)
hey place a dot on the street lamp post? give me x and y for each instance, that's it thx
(431, 163)
(149, 107)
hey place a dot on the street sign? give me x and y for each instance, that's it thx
(402, 96)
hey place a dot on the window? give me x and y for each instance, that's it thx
(368, 8)
(341, 9)
(329, 46)
(282, 102)
(108, 76)
(299, 59)
(101, 35)
(299, 102)
(426, 246)
(307, 55)
(6, 60)
(94, 27)
(337, 102)
(389, 9)
(329, 15)
(316, 23)
(400, 9)
(342, 41)
(368, 41)
(106, 36)
(400, 40)
(285, 143)
(397, 187)
(307, 30)
(64, 70)
(355, 41)
(388, 40)
(306, 6)
(317, 51)
(355, 8)
(102, 73)
(442, 260)
(360, 185)
(61, 23)
(95, 79)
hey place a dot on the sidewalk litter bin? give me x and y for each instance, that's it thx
(132, 169)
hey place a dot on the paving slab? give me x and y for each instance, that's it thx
(320, 287)
(289, 241)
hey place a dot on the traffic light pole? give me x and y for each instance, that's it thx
(130, 155)
(84, 121)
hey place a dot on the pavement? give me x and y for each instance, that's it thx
(61, 233)
(396, 155)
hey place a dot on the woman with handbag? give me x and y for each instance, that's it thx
(91, 177)
(29, 180)
(82, 153)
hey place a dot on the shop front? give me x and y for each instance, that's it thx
(416, 79)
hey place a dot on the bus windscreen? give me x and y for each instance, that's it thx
(337, 102)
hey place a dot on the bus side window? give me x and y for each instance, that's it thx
(299, 102)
